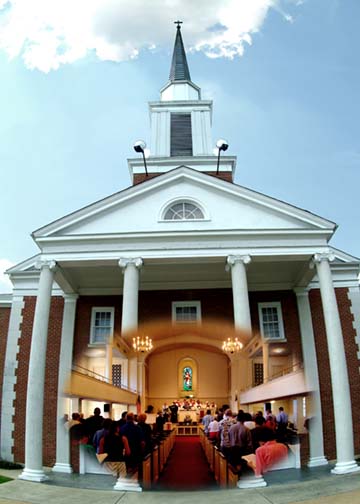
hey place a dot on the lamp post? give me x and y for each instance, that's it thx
(140, 146)
(222, 145)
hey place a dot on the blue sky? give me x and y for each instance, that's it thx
(288, 105)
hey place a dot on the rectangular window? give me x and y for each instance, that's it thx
(186, 311)
(180, 135)
(258, 373)
(102, 325)
(116, 375)
(271, 322)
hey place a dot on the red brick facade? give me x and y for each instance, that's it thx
(51, 379)
(138, 178)
(4, 328)
(324, 367)
(157, 305)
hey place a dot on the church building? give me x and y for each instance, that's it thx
(185, 285)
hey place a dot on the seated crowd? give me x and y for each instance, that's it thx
(240, 435)
(127, 440)
(130, 438)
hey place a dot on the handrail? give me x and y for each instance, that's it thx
(283, 372)
(99, 377)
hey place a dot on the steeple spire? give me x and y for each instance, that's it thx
(179, 68)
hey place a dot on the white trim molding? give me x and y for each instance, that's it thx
(10, 379)
(277, 305)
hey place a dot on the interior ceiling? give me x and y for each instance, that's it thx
(184, 333)
(102, 276)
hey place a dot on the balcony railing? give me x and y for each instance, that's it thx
(99, 377)
(285, 371)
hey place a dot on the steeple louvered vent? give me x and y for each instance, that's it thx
(180, 135)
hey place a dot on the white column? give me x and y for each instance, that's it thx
(234, 375)
(33, 470)
(237, 264)
(265, 356)
(141, 380)
(338, 369)
(129, 319)
(108, 361)
(66, 350)
(130, 293)
(316, 437)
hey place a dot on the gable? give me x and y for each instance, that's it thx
(226, 207)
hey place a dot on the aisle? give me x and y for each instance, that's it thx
(187, 467)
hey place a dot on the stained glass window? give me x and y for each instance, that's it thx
(187, 378)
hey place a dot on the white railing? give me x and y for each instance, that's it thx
(99, 377)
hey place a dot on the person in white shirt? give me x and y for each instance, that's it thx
(213, 429)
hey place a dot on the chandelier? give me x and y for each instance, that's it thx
(142, 344)
(232, 345)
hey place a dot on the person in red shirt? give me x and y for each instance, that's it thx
(269, 452)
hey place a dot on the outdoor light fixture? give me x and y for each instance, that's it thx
(142, 345)
(232, 345)
(222, 145)
(140, 146)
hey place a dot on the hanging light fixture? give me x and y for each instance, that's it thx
(142, 345)
(232, 345)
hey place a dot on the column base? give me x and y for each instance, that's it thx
(251, 482)
(317, 461)
(36, 475)
(62, 468)
(345, 467)
(127, 485)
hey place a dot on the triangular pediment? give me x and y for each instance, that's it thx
(226, 206)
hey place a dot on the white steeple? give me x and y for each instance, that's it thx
(181, 126)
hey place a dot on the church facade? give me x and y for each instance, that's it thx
(189, 259)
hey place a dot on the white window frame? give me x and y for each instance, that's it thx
(94, 310)
(277, 305)
(181, 304)
(175, 201)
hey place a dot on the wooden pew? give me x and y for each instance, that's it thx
(155, 465)
(233, 476)
(223, 470)
(146, 472)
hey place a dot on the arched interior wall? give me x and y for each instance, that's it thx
(163, 383)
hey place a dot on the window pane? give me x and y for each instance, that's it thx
(183, 211)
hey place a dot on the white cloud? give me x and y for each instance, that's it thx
(49, 33)
(5, 284)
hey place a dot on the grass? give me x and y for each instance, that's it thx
(4, 479)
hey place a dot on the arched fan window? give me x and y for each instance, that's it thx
(183, 211)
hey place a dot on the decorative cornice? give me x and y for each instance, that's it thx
(50, 264)
(124, 262)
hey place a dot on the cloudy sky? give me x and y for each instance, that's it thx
(76, 76)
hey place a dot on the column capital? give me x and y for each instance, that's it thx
(322, 256)
(302, 291)
(231, 260)
(124, 262)
(51, 264)
(70, 297)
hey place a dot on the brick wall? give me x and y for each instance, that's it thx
(83, 320)
(215, 303)
(4, 327)
(51, 378)
(324, 367)
(138, 178)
